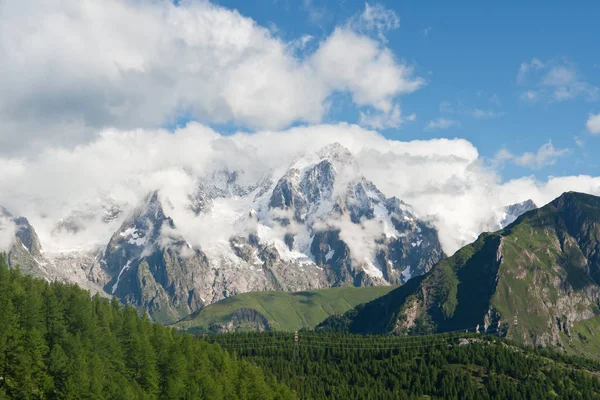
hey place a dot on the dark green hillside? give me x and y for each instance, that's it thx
(427, 367)
(56, 342)
(544, 267)
(282, 311)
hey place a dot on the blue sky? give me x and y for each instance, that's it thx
(470, 57)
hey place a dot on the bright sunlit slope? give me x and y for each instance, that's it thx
(282, 311)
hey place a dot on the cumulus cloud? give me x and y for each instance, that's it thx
(442, 123)
(70, 68)
(87, 85)
(445, 180)
(593, 124)
(554, 80)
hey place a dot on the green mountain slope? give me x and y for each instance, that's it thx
(465, 366)
(282, 311)
(57, 342)
(544, 267)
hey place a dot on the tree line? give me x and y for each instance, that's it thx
(330, 366)
(58, 342)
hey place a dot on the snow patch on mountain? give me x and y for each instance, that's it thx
(329, 254)
(406, 274)
(125, 268)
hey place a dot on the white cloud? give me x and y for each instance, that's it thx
(443, 179)
(442, 123)
(70, 68)
(554, 80)
(593, 124)
(546, 155)
(425, 32)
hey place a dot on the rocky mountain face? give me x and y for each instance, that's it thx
(544, 268)
(26, 250)
(319, 224)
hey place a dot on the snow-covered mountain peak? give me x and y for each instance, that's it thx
(139, 233)
(504, 216)
(335, 152)
(318, 223)
(519, 209)
(509, 214)
(323, 183)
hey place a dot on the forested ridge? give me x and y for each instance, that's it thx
(465, 366)
(57, 342)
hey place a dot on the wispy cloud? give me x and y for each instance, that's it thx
(316, 14)
(384, 120)
(495, 100)
(446, 107)
(375, 18)
(545, 156)
(526, 67)
(442, 123)
(476, 112)
(482, 114)
(555, 81)
(425, 32)
(501, 157)
(530, 96)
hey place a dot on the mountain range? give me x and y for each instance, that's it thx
(535, 281)
(319, 224)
